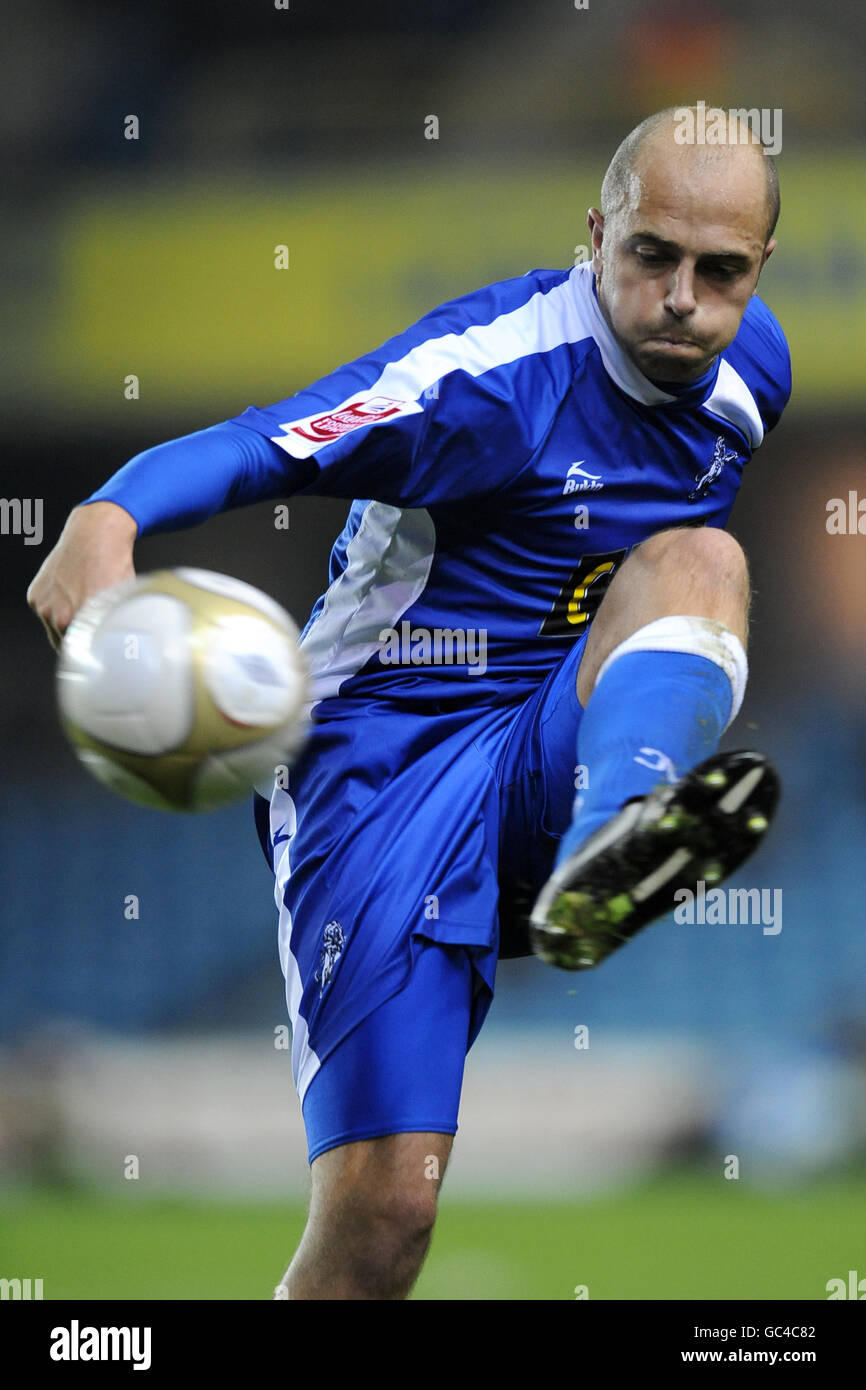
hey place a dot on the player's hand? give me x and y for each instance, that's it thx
(94, 551)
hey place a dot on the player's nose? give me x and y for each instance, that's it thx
(680, 298)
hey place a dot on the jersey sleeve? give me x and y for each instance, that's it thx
(436, 414)
(184, 481)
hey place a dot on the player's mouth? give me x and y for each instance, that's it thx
(674, 342)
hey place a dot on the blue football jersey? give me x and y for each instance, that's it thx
(509, 455)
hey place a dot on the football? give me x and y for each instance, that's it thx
(182, 689)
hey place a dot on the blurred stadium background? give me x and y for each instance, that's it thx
(159, 1036)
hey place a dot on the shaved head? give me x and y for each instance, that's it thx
(623, 182)
(688, 208)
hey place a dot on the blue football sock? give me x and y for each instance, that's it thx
(652, 717)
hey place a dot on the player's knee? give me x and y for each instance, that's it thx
(410, 1218)
(702, 555)
(399, 1217)
(386, 1238)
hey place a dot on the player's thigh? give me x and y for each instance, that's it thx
(540, 780)
(390, 1181)
(539, 767)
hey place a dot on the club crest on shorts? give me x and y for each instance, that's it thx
(333, 942)
(704, 481)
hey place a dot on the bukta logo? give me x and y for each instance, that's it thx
(657, 761)
(577, 479)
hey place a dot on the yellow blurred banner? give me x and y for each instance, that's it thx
(212, 298)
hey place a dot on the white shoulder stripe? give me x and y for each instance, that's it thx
(732, 400)
(544, 322)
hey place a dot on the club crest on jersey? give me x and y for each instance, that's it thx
(333, 942)
(704, 481)
(577, 479)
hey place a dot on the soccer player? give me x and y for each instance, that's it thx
(539, 582)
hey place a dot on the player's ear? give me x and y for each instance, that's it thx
(768, 251)
(595, 223)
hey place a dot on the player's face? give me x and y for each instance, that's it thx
(676, 271)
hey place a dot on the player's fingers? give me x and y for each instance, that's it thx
(52, 609)
(51, 621)
(55, 636)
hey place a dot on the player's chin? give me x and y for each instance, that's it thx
(676, 362)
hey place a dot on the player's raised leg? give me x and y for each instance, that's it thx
(371, 1217)
(662, 676)
(669, 638)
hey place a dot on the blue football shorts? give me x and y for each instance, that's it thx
(408, 849)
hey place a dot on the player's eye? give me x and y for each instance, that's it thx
(651, 257)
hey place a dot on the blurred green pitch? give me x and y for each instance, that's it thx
(676, 1237)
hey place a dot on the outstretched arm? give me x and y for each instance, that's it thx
(166, 488)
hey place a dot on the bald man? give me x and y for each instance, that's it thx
(536, 597)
